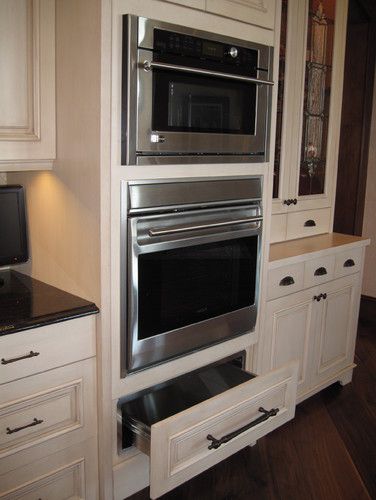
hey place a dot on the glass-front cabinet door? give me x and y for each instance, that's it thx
(312, 48)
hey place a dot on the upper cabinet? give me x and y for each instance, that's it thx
(257, 12)
(312, 49)
(27, 97)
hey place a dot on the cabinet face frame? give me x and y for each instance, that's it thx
(293, 101)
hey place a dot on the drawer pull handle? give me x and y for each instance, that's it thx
(36, 421)
(321, 271)
(31, 354)
(309, 223)
(286, 281)
(349, 263)
(216, 443)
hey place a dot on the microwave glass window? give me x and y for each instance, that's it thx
(187, 285)
(187, 103)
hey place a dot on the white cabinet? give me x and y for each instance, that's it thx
(257, 12)
(313, 36)
(27, 98)
(48, 412)
(311, 315)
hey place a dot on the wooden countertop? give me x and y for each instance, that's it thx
(313, 245)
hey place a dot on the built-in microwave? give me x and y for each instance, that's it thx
(190, 96)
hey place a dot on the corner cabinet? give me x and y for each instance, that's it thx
(27, 99)
(257, 12)
(312, 51)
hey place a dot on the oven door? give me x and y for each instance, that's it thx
(192, 281)
(186, 111)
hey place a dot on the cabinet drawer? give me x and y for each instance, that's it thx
(47, 412)
(348, 262)
(307, 223)
(318, 271)
(285, 280)
(37, 350)
(218, 411)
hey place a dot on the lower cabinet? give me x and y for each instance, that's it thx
(204, 417)
(316, 326)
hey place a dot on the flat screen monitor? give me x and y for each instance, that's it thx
(13, 232)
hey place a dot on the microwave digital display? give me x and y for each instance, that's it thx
(212, 49)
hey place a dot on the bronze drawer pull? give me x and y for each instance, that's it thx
(31, 354)
(349, 263)
(216, 443)
(309, 223)
(36, 421)
(321, 271)
(287, 281)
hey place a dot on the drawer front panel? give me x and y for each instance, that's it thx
(23, 423)
(180, 444)
(67, 482)
(307, 223)
(285, 280)
(348, 262)
(40, 349)
(318, 271)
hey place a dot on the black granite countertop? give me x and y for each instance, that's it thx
(28, 303)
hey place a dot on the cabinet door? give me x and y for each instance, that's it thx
(336, 327)
(289, 335)
(27, 68)
(258, 12)
(313, 35)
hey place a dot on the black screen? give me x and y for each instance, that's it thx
(13, 239)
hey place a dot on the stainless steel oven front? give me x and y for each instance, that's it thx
(192, 96)
(192, 253)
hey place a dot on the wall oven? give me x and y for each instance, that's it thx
(192, 253)
(192, 96)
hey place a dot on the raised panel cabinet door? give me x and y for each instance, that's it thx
(258, 12)
(27, 68)
(289, 334)
(336, 327)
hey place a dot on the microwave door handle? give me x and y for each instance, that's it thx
(149, 65)
(183, 229)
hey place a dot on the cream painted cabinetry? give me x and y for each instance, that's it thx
(313, 39)
(48, 423)
(258, 12)
(311, 315)
(27, 98)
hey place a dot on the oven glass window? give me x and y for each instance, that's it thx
(183, 286)
(190, 103)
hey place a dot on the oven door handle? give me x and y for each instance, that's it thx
(183, 229)
(149, 65)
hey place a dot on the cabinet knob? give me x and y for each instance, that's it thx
(287, 202)
(323, 295)
(321, 271)
(295, 201)
(286, 281)
(309, 223)
(349, 263)
(317, 297)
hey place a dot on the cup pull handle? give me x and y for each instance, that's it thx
(216, 443)
(287, 281)
(321, 271)
(349, 263)
(309, 223)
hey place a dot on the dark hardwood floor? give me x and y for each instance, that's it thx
(327, 452)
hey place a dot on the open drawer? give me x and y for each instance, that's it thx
(193, 422)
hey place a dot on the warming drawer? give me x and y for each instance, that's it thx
(193, 422)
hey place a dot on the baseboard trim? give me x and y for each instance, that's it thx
(367, 313)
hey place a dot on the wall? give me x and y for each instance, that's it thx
(369, 221)
(64, 205)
